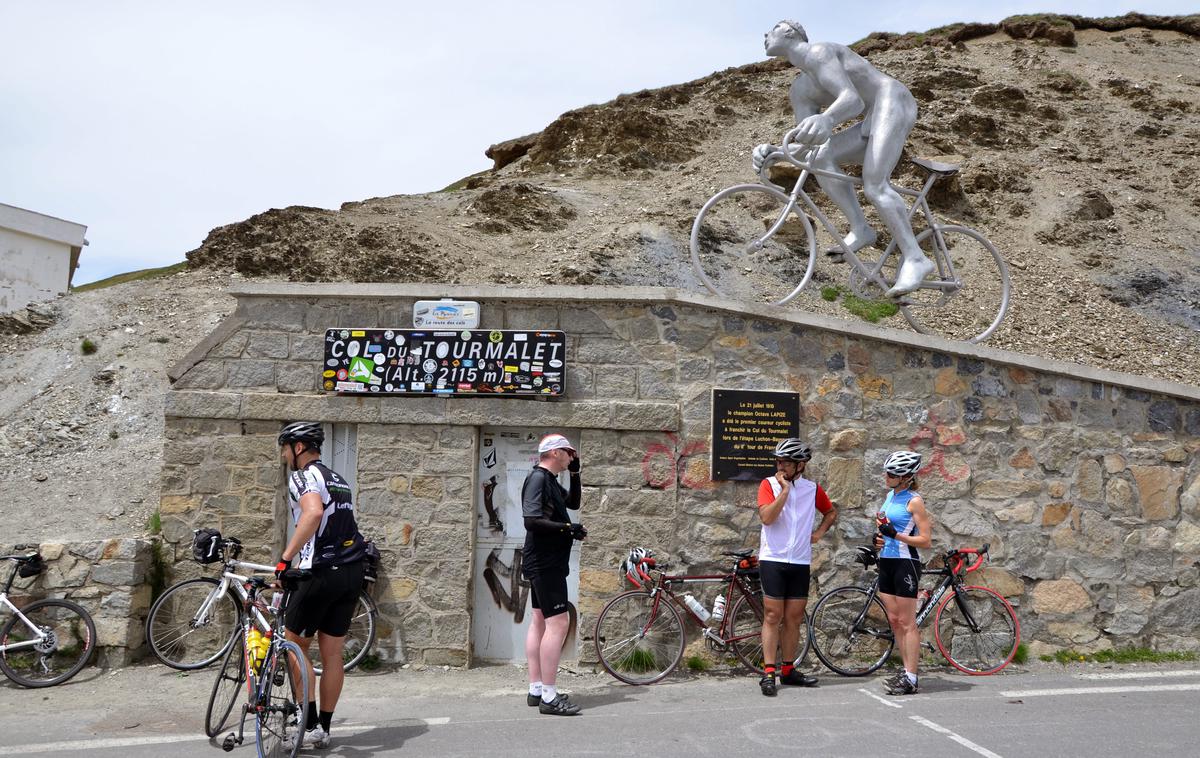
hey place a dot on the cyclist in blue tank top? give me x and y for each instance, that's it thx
(903, 526)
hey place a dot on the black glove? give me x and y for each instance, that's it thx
(573, 466)
(578, 532)
(887, 530)
(281, 567)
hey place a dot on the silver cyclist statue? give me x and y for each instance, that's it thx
(835, 85)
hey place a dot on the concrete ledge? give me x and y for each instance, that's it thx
(248, 292)
(482, 411)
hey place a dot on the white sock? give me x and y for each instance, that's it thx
(535, 688)
(549, 692)
(911, 676)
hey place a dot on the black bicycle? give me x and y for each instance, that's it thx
(975, 628)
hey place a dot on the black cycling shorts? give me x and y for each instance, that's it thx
(548, 594)
(899, 576)
(326, 602)
(784, 581)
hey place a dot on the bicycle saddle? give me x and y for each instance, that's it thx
(934, 167)
(740, 553)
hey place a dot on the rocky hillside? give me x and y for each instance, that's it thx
(1077, 137)
(1078, 140)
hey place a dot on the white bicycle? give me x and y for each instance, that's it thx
(194, 622)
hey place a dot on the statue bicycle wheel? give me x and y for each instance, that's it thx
(968, 296)
(750, 243)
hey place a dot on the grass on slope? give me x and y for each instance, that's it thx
(132, 276)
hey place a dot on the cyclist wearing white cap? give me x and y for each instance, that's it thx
(549, 535)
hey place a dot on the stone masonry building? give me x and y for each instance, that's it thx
(1085, 482)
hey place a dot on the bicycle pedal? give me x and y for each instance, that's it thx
(229, 743)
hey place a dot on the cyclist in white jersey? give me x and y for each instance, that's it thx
(903, 526)
(787, 506)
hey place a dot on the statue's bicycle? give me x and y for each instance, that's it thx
(756, 243)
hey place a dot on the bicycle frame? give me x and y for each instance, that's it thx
(24, 620)
(12, 577)
(279, 646)
(733, 581)
(953, 576)
(236, 582)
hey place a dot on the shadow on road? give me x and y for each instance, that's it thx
(371, 741)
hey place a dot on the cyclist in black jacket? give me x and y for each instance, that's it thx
(328, 543)
(549, 534)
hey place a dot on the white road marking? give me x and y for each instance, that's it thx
(883, 700)
(956, 737)
(1103, 690)
(1139, 674)
(75, 746)
(99, 744)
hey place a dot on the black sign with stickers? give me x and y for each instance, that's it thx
(425, 362)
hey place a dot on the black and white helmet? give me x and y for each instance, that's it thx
(309, 432)
(793, 449)
(902, 463)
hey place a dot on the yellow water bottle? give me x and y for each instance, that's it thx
(258, 645)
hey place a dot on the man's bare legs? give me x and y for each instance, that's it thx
(793, 621)
(544, 644)
(333, 676)
(773, 611)
(533, 647)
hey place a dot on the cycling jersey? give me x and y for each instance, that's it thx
(895, 507)
(337, 541)
(544, 504)
(789, 537)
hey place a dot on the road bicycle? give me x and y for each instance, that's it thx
(47, 641)
(640, 636)
(276, 679)
(194, 622)
(756, 243)
(975, 628)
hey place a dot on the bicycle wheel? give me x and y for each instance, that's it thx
(985, 642)
(639, 638)
(359, 640)
(850, 631)
(226, 688)
(178, 637)
(744, 634)
(744, 247)
(974, 308)
(58, 649)
(280, 702)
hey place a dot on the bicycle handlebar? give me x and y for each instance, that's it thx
(957, 556)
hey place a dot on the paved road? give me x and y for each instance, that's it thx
(1091, 711)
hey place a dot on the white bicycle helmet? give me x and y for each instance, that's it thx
(793, 449)
(902, 463)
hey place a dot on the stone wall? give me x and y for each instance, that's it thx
(107, 577)
(1085, 482)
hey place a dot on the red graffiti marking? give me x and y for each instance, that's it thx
(663, 467)
(939, 436)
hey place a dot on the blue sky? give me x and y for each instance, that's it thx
(154, 122)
